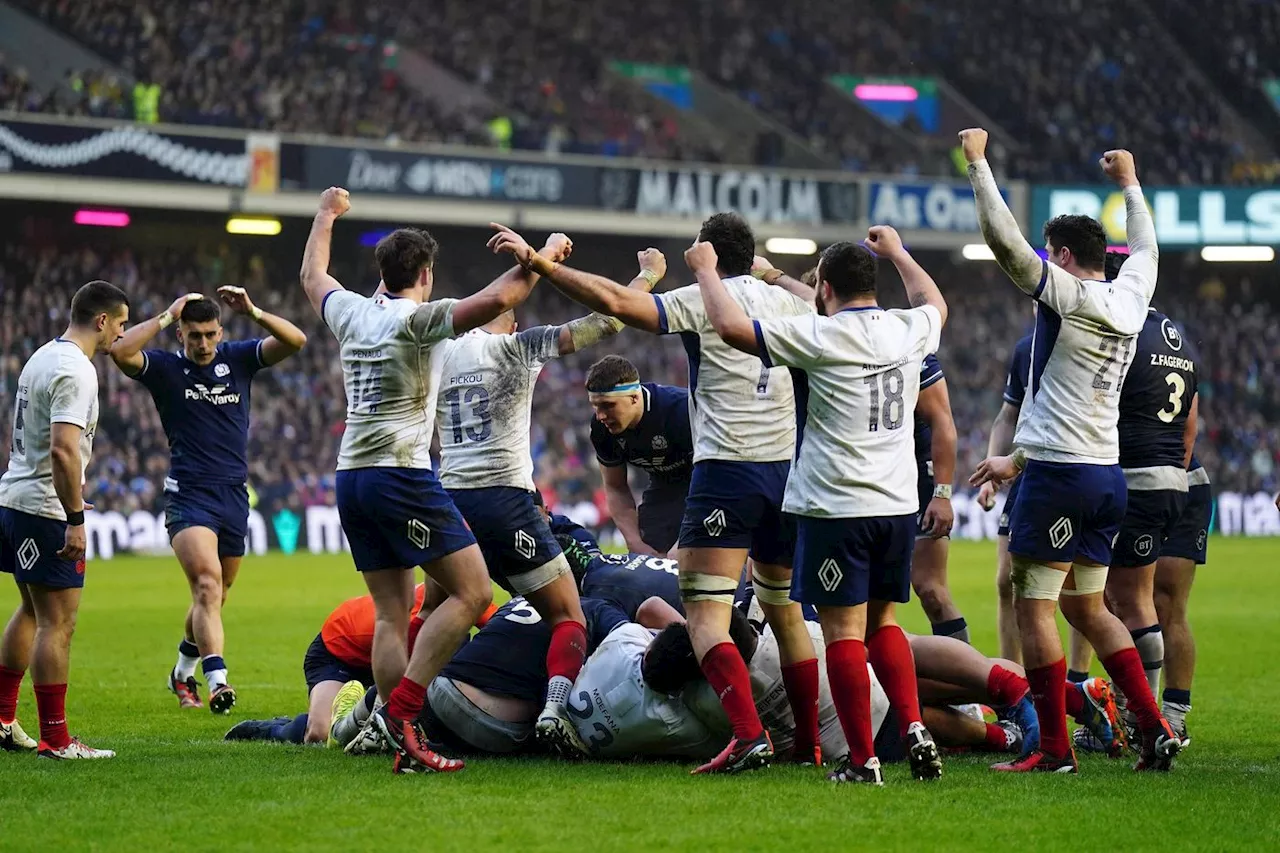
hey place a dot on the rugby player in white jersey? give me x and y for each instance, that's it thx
(42, 534)
(1072, 494)
(487, 377)
(853, 489)
(394, 512)
(742, 415)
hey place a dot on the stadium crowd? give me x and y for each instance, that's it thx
(298, 406)
(325, 67)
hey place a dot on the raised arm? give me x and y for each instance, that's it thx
(510, 289)
(769, 274)
(633, 307)
(920, 286)
(934, 407)
(127, 352)
(315, 277)
(1015, 255)
(284, 339)
(1143, 263)
(579, 334)
(726, 316)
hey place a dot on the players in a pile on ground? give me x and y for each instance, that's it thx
(1072, 497)
(42, 535)
(394, 512)
(646, 426)
(483, 410)
(744, 430)
(852, 491)
(202, 395)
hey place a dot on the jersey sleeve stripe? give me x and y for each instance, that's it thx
(1012, 400)
(763, 351)
(931, 379)
(146, 362)
(663, 328)
(257, 351)
(324, 303)
(68, 418)
(1044, 279)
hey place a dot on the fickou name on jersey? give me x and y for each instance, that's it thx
(217, 395)
(757, 196)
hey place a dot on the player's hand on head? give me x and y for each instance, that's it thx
(701, 256)
(508, 241)
(236, 298)
(561, 247)
(994, 470)
(335, 200)
(973, 141)
(939, 517)
(884, 241)
(1118, 165)
(175, 308)
(654, 261)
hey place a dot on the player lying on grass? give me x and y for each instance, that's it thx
(338, 670)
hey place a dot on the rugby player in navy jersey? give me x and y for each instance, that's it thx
(202, 395)
(646, 426)
(935, 441)
(1000, 443)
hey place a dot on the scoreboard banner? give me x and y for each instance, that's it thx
(1184, 216)
(132, 151)
(924, 206)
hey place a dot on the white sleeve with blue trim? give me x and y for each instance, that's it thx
(681, 310)
(335, 309)
(790, 341)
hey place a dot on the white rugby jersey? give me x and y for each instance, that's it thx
(390, 372)
(770, 694)
(621, 717)
(485, 403)
(856, 402)
(739, 409)
(1085, 336)
(58, 385)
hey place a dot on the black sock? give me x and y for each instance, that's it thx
(957, 628)
(1075, 676)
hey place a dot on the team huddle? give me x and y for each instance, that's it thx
(798, 491)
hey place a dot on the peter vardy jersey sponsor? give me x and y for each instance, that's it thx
(204, 410)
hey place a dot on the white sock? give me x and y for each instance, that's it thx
(216, 677)
(1150, 645)
(187, 663)
(558, 691)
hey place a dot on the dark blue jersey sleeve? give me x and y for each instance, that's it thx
(1015, 383)
(930, 371)
(244, 357)
(602, 619)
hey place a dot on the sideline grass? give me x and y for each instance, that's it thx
(176, 785)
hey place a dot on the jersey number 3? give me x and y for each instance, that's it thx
(1178, 386)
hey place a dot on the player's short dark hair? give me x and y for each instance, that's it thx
(402, 255)
(610, 372)
(670, 663)
(734, 242)
(201, 311)
(1083, 235)
(1115, 260)
(96, 297)
(850, 269)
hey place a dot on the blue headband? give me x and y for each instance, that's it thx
(620, 390)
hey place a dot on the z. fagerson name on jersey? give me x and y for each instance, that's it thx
(1173, 361)
(214, 395)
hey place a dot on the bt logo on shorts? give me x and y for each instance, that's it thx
(526, 545)
(1142, 547)
(829, 575)
(419, 533)
(1060, 532)
(715, 523)
(1200, 538)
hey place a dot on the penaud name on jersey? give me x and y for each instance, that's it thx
(204, 410)
(659, 444)
(1156, 398)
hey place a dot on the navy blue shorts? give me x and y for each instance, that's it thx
(661, 512)
(224, 509)
(29, 546)
(320, 664)
(1149, 519)
(739, 505)
(849, 561)
(1190, 536)
(398, 518)
(924, 489)
(513, 534)
(1067, 511)
(1011, 496)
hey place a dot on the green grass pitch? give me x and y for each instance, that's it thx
(177, 786)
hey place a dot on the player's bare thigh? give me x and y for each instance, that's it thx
(197, 551)
(320, 711)
(1173, 580)
(464, 576)
(709, 617)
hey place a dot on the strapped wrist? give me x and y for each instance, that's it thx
(165, 320)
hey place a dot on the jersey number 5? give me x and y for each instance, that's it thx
(889, 385)
(19, 426)
(1179, 386)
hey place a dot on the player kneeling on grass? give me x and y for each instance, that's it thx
(202, 395)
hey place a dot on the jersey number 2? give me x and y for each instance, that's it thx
(1175, 398)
